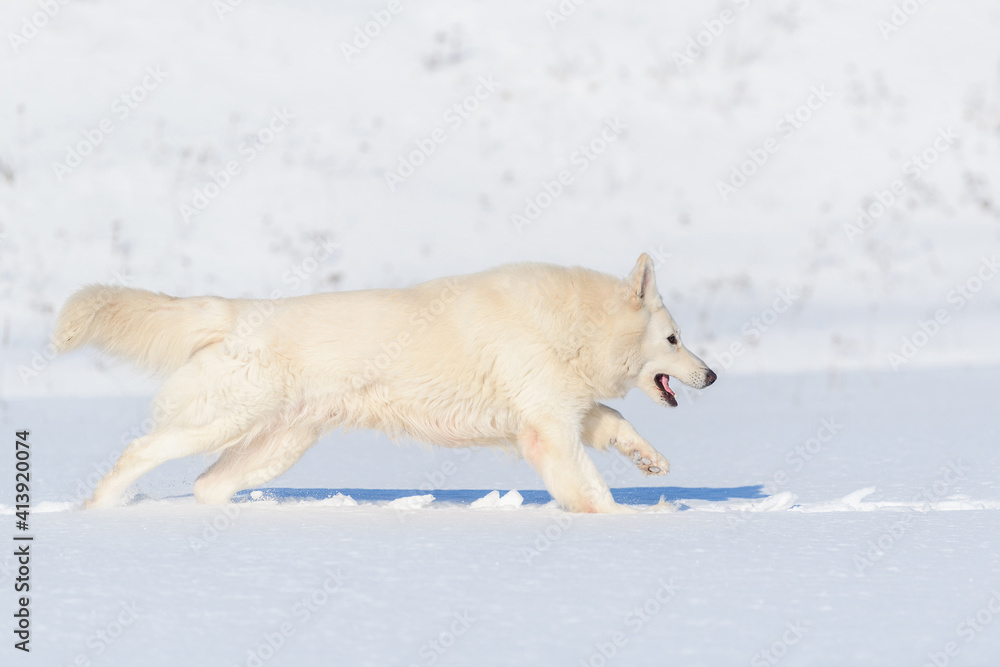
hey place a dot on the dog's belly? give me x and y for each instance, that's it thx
(457, 423)
(453, 421)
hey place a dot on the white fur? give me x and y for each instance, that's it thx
(516, 355)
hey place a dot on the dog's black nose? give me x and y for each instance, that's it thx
(710, 376)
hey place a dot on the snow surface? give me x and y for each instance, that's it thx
(826, 505)
(876, 548)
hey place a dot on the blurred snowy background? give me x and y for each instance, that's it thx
(745, 138)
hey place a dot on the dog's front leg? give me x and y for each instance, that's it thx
(555, 451)
(604, 426)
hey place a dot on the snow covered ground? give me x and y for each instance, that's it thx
(817, 183)
(821, 519)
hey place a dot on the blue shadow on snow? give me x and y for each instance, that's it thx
(635, 495)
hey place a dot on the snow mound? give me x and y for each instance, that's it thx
(411, 502)
(776, 503)
(339, 500)
(511, 499)
(489, 500)
(493, 500)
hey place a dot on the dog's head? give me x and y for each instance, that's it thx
(663, 355)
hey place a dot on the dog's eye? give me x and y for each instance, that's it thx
(672, 339)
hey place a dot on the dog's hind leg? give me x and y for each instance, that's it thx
(556, 452)
(211, 403)
(603, 427)
(254, 462)
(145, 453)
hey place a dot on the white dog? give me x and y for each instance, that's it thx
(516, 355)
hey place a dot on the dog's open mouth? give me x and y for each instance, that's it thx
(663, 384)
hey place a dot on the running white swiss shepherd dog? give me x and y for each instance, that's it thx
(518, 355)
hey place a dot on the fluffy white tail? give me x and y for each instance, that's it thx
(156, 331)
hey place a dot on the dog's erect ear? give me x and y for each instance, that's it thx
(641, 283)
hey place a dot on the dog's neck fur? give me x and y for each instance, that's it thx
(602, 348)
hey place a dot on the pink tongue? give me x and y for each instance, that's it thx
(665, 383)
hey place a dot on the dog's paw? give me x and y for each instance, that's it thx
(650, 462)
(638, 450)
